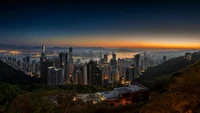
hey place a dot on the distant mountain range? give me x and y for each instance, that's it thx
(10, 46)
(26, 47)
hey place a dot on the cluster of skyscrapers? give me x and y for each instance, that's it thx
(64, 70)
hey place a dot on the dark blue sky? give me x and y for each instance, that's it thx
(29, 23)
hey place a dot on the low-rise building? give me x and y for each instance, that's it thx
(135, 92)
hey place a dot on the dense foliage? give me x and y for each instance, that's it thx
(157, 77)
(8, 93)
(181, 95)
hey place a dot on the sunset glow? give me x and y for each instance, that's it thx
(134, 41)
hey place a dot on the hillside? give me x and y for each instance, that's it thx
(172, 65)
(180, 95)
(12, 76)
(161, 74)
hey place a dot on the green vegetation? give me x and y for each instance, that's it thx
(181, 94)
(156, 77)
(8, 93)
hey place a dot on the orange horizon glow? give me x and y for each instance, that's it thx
(135, 45)
(133, 41)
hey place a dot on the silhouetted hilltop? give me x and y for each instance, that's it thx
(12, 76)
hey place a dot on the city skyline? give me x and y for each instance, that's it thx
(152, 24)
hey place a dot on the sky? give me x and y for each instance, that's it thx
(139, 24)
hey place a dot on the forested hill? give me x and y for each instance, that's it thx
(17, 77)
(171, 66)
(181, 95)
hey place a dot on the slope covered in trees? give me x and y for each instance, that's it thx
(157, 77)
(170, 66)
(180, 95)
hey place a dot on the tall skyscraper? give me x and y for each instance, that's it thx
(9, 58)
(33, 70)
(105, 75)
(44, 49)
(100, 55)
(105, 58)
(66, 68)
(43, 66)
(94, 74)
(14, 59)
(59, 76)
(113, 56)
(24, 60)
(28, 59)
(113, 61)
(19, 64)
(62, 60)
(85, 76)
(146, 62)
(137, 65)
(131, 73)
(70, 55)
(114, 77)
(145, 54)
(55, 76)
(50, 76)
(64, 64)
